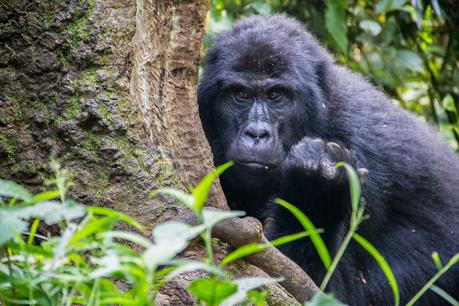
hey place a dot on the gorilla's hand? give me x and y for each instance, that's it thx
(315, 160)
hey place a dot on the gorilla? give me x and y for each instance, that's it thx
(272, 100)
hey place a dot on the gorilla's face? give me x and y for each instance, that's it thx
(257, 98)
(254, 116)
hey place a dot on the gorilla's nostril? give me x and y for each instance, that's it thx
(256, 133)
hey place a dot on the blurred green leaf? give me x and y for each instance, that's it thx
(389, 5)
(51, 212)
(186, 266)
(448, 103)
(335, 22)
(13, 190)
(211, 291)
(244, 285)
(113, 213)
(201, 191)
(10, 226)
(182, 196)
(213, 216)
(320, 299)
(370, 26)
(409, 60)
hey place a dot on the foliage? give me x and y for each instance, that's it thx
(89, 262)
(410, 49)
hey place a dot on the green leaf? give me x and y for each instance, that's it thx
(389, 5)
(370, 26)
(354, 185)
(448, 103)
(335, 22)
(382, 264)
(201, 192)
(253, 248)
(312, 231)
(110, 212)
(180, 195)
(131, 237)
(445, 295)
(46, 196)
(213, 216)
(320, 299)
(436, 7)
(409, 60)
(93, 227)
(170, 239)
(13, 190)
(51, 212)
(437, 261)
(186, 266)
(244, 285)
(10, 226)
(211, 291)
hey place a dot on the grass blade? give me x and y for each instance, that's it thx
(253, 248)
(382, 264)
(454, 260)
(444, 295)
(354, 184)
(311, 229)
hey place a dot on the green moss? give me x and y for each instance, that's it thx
(10, 144)
(166, 175)
(91, 145)
(78, 30)
(43, 110)
(74, 106)
(88, 77)
(105, 112)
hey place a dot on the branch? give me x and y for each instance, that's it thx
(238, 232)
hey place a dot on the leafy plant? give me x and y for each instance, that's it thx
(89, 263)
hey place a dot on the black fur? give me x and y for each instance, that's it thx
(412, 190)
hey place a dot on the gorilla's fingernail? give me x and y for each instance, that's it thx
(363, 173)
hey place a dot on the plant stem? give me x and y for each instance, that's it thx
(452, 262)
(208, 242)
(337, 258)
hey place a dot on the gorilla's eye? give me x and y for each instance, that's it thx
(274, 94)
(241, 94)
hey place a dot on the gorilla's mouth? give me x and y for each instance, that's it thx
(255, 166)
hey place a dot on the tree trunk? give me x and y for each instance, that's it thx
(108, 89)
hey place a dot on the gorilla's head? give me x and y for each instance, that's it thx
(260, 93)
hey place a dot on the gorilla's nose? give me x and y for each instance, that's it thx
(258, 131)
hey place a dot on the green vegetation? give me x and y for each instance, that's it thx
(410, 49)
(87, 261)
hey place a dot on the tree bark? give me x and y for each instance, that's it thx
(108, 89)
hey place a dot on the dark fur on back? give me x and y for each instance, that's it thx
(412, 190)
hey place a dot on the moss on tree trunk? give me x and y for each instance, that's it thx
(108, 89)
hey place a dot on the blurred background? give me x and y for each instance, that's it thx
(409, 49)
